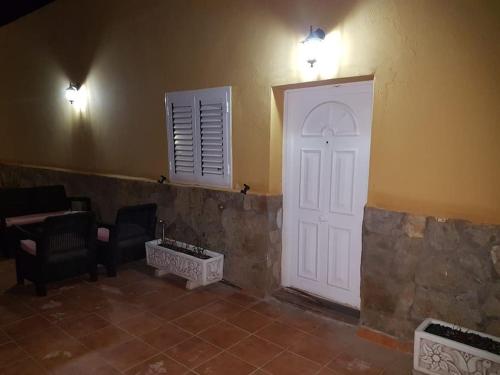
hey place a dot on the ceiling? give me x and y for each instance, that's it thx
(11, 10)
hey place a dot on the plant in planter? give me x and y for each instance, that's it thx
(445, 349)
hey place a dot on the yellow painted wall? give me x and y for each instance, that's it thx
(436, 63)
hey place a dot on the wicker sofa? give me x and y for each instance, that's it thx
(28, 206)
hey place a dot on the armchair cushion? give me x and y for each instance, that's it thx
(29, 246)
(103, 234)
(31, 219)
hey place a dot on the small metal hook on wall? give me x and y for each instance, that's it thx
(245, 189)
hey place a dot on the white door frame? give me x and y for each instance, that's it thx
(286, 173)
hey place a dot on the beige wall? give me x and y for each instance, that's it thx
(436, 125)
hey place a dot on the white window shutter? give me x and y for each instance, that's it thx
(181, 129)
(199, 136)
(214, 136)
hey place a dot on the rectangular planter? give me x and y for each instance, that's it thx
(437, 355)
(197, 271)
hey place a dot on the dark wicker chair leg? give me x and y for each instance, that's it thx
(19, 273)
(93, 273)
(111, 270)
(41, 290)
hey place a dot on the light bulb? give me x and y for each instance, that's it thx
(71, 93)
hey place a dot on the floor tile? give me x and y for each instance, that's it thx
(314, 348)
(271, 309)
(38, 343)
(140, 324)
(26, 327)
(128, 354)
(223, 335)
(291, 364)
(90, 363)
(279, 334)
(4, 338)
(10, 313)
(147, 301)
(105, 337)
(221, 290)
(301, 320)
(196, 321)
(329, 371)
(193, 352)
(345, 364)
(255, 350)
(124, 277)
(55, 356)
(250, 320)
(171, 311)
(27, 366)
(198, 299)
(167, 290)
(118, 312)
(225, 364)
(80, 326)
(223, 309)
(337, 332)
(166, 336)
(402, 364)
(55, 308)
(241, 299)
(370, 352)
(10, 353)
(159, 364)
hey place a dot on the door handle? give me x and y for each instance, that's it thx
(323, 218)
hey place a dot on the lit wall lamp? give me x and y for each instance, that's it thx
(71, 93)
(312, 44)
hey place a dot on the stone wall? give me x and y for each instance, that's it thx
(243, 227)
(417, 267)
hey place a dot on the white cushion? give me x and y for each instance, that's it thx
(103, 234)
(29, 246)
(34, 218)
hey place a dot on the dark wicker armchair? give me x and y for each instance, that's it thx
(61, 247)
(124, 241)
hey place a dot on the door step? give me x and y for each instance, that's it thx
(318, 305)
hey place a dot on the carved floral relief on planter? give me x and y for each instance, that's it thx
(436, 355)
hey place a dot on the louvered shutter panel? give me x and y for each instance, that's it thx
(199, 136)
(182, 137)
(213, 116)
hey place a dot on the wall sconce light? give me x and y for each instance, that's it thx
(312, 44)
(71, 93)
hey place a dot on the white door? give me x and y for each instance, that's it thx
(325, 186)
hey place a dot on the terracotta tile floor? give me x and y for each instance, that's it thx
(138, 324)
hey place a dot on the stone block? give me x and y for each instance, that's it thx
(493, 327)
(383, 222)
(414, 226)
(441, 236)
(495, 258)
(461, 309)
(443, 273)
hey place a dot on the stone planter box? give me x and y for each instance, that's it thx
(437, 355)
(197, 271)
